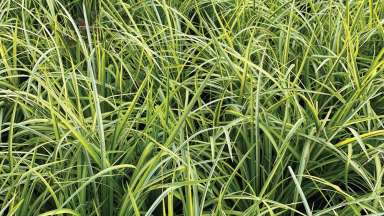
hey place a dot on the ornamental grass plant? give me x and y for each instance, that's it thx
(191, 107)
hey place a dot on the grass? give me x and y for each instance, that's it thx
(170, 107)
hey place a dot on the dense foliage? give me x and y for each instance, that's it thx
(191, 107)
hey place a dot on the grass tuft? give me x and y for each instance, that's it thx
(170, 107)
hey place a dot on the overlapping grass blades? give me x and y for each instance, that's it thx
(169, 107)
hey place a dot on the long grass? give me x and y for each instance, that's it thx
(172, 107)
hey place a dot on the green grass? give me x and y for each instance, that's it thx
(195, 107)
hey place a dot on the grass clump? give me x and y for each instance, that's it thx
(170, 107)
